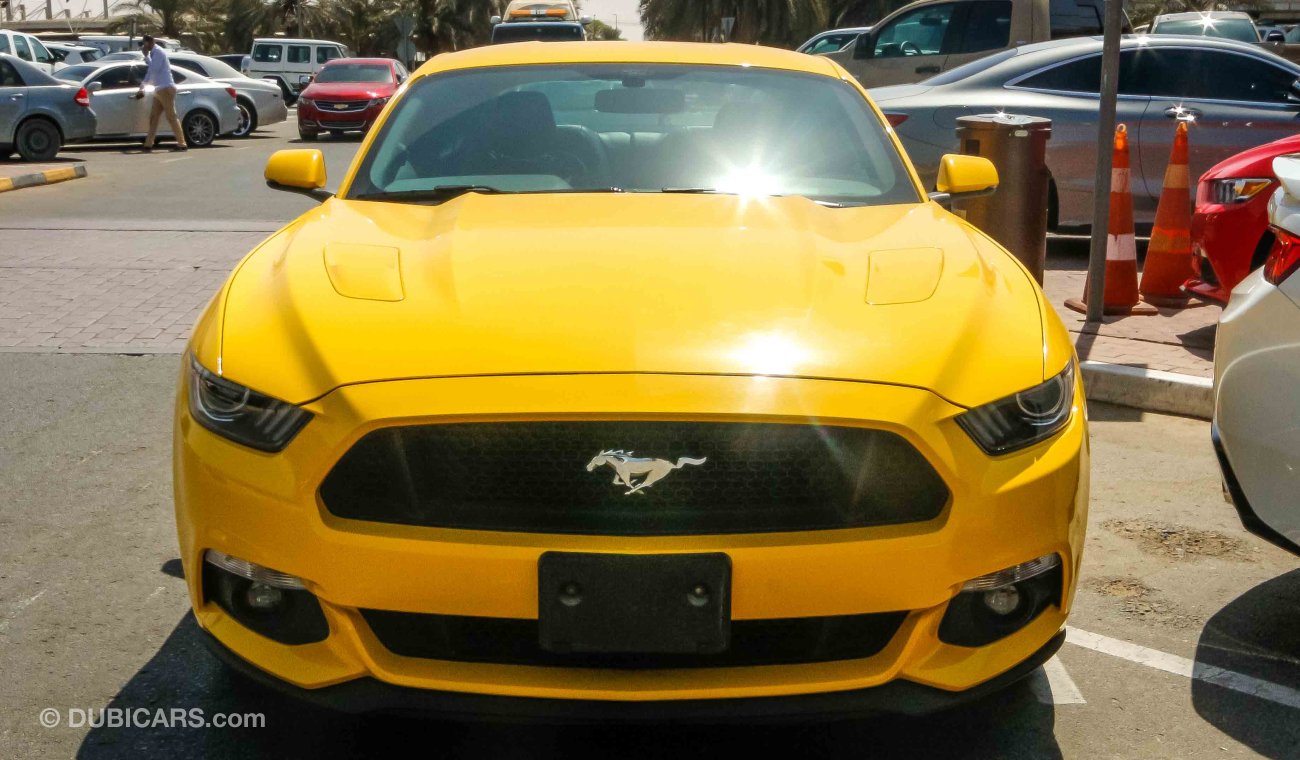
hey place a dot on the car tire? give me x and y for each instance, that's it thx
(200, 129)
(38, 140)
(308, 136)
(5, 152)
(247, 119)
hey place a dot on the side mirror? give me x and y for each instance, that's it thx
(1274, 36)
(864, 46)
(494, 20)
(298, 171)
(964, 177)
(1293, 95)
(585, 20)
(94, 87)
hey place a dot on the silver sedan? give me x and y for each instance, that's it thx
(38, 113)
(1234, 95)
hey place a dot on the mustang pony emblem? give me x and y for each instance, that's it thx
(649, 471)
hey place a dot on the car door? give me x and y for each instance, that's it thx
(985, 26)
(1230, 100)
(117, 112)
(13, 101)
(910, 47)
(298, 64)
(41, 56)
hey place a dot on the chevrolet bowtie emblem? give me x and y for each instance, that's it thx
(638, 472)
(341, 106)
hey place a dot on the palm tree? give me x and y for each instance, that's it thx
(159, 16)
(445, 25)
(365, 26)
(784, 23)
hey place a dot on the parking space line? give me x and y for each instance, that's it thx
(1181, 666)
(1052, 685)
(173, 160)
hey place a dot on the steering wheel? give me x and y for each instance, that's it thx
(910, 48)
(565, 165)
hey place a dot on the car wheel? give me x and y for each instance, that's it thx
(200, 129)
(247, 119)
(38, 140)
(308, 136)
(6, 151)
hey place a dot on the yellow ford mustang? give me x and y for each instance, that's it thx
(637, 382)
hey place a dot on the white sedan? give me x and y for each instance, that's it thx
(1256, 428)
(206, 108)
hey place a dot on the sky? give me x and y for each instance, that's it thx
(628, 19)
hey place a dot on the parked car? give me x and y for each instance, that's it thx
(1230, 25)
(38, 113)
(115, 43)
(832, 40)
(206, 108)
(442, 429)
(1230, 234)
(260, 101)
(290, 63)
(347, 95)
(1237, 96)
(538, 10)
(71, 55)
(539, 31)
(1256, 427)
(932, 36)
(27, 48)
(238, 61)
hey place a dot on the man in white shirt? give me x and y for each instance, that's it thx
(158, 77)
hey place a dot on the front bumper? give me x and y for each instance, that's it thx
(311, 118)
(1224, 243)
(265, 508)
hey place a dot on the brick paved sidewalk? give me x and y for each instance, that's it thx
(1175, 340)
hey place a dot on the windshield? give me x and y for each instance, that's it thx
(217, 69)
(1239, 29)
(640, 128)
(360, 73)
(541, 31)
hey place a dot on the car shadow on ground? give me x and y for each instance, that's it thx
(1254, 635)
(1013, 724)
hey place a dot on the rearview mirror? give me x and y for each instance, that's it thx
(94, 87)
(965, 177)
(299, 171)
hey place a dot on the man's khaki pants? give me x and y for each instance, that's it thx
(164, 101)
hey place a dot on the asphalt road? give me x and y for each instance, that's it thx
(1183, 641)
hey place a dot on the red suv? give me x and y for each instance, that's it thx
(347, 95)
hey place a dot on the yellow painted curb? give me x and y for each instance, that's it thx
(47, 177)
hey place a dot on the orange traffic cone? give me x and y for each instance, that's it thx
(1121, 292)
(1169, 255)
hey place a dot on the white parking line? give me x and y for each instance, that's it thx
(1181, 666)
(18, 607)
(173, 160)
(1052, 685)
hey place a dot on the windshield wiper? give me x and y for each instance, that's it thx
(700, 190)
(437, 194)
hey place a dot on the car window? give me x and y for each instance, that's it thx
(327, 53)
(727, 129)
(178, 76)
(1084, 75)
(4, 44)
(188, 65)
(541, 31)
(1240, 29)
(59, 55)
(39, 53)
(830, 44)
(369, 73)
(299, 54)
(20, 46)
(90, 54)
(1210, 75)
(918, 32)
(9, 75)
(264, 53)
(1072, 19)
(987, 27)
(75, 73)
(117, 78)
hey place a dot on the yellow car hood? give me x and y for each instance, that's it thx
(700, 284)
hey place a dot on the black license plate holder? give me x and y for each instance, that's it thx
(634, 603)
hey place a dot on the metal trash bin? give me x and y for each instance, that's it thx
(1015, 215)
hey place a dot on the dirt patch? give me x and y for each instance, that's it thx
(1139, 601)
(1180, 542)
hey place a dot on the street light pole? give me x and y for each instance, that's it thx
(1105, 149)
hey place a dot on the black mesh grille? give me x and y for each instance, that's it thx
(511, 641)
(534, 477)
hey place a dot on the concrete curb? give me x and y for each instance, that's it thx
(1151, 390)
(47, 177)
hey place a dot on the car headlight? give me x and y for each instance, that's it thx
(1023, 418)
(242, 414)
(304, 102)
(378, 101)
(1230, 191)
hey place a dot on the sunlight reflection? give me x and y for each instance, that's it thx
(772, 354)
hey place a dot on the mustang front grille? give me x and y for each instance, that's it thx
(511, 641)
(634, 478)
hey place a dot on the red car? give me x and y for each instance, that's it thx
(347, 95)
(1230, 236)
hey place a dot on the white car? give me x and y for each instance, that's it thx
(260, 101)
(1256, 428)
(207, 109)
(292, 63)
(28, 48)
(66, 54)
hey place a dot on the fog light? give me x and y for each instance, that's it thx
(1003, 601)
(263, 597)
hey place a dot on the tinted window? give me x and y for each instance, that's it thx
(9, 76)
(1213, 75)
(987, 27)
(542, 31)
(4, 44)
(920, 32)
(75, 73)
(59, 55)
(177, 76)
(1240, 29)
(267, 53)
(40, 53)
(715, 128)
(118, 78)
(24, 52)
(1084, 75)
(189, 66)
(1070, 19)
(299, 54)
(327, 53)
